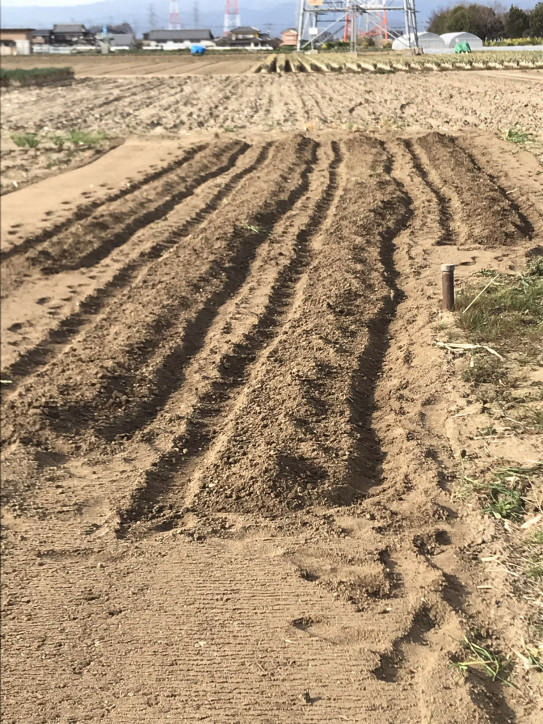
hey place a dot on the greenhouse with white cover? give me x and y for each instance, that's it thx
(427, 41)
(451, 39)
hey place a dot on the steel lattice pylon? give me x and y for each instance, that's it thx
(317, 17)
(175, 22)
(231, 16)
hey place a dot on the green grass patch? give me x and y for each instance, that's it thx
(483, 658)
(34, 76)
(517, 135)
(26, 140)
(507, 308)
(534, 567)
(86, 138)
(75, 139)
(484, 370)
(503, 492)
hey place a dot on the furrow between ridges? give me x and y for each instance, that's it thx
(240, 343)
(82, 384)
(97, 302)
(428, 177)
(84, 211)
(193, 174)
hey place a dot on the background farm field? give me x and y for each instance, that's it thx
(106, 110)
(251, 472)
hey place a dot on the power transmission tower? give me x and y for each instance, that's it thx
(151, 17)
(318, 19)
(175, 21)
(196, 14)
(231, 16)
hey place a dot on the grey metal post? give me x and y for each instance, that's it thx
(447, 284)
(300, 25)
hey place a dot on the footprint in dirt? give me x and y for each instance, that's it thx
(16, 327)
(43, 300)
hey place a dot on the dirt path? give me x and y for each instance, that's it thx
(226, 469)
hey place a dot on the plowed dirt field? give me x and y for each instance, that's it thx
(173, 106)
(227, 434)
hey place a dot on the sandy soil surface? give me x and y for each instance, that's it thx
(229, 440)
(174, 106)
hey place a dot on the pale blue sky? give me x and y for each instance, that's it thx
(44, 3)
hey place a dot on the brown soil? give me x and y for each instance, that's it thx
(121, 66)
(230, 442)
(227, 482)
(172, 106)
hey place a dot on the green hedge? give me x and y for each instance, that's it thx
(34, 76)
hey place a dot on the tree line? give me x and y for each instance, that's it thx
(489, 23)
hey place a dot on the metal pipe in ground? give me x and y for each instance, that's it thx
(447, 284)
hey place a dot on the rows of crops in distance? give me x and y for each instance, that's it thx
(377, 63)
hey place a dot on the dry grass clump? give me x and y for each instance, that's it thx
(507, 308)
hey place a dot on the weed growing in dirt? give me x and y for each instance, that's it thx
(26, 140)
(253, 228)
(86, 138)
(507, 309)
(534, 567)
(517, 135)
(59, 141)
(533, 658)
(534, 419)
(497, 667)
(504, 491)
(484, 370)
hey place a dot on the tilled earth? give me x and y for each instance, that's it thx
(226, 467)
(161, 106)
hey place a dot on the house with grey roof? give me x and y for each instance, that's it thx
(71, 34)
(177, 39)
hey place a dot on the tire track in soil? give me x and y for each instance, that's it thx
(85, 210)
(72, 408)
(410, 587)
(96, 303)
(165, 482)
(415, 653)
